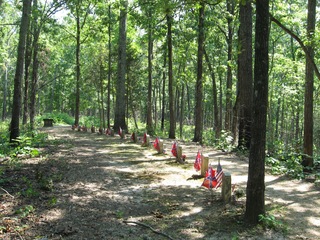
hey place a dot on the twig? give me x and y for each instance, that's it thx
(6, 192)
(147, 226)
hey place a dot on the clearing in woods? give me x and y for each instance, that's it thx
(90, 186)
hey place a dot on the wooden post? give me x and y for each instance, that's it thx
(204, 164)
(179, 153)
(226, 187)
(146, 140)
(160, 146)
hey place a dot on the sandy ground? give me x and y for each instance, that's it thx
(110, 188)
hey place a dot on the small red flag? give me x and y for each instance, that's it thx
(197, 163)
(210, 180)
(156, 144)
(174, 149)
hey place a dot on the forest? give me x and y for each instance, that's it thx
(239, 75)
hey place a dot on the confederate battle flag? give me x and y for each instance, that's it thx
(156, 144)
(174, 149)
(197, 162)
(210, 180)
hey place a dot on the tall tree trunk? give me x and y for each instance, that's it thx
(308, 95)
(5, 93)
(120, 110)
(34, 83)
(181, 110)
(150, 57)
(172, 128)
(255, 203)
(216, 122)
(228, 116)
(245, 82)
(16, 105)
(78, 77)
(103, 123)
(28, 58)
(35, 67)
(163, 89)
(109, 67)
(199, 84)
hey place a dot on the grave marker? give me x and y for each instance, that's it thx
(146, 140)
(134, 137)
(226, 187)
(204, 164)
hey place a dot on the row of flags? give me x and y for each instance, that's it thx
(213, 178)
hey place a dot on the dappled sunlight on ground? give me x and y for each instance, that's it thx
(106, 180)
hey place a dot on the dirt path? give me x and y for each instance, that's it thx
(100, 182)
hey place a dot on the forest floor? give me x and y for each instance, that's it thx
(91, 186)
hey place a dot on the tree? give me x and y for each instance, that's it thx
(229, 37)
(216, 119)
(109, 67)
(150, 58)
(255, 204)
(172, 129)
(199, 84)
(309, 85)
(16, 105)
(245, 82)
(120, 117)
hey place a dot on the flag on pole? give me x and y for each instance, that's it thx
(210, 180)
(219, 175)
(156, 144)
(174, 149)
(197, 163)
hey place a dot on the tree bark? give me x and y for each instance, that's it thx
(35, 67)
(16, 105)
(309, 85)
(216, 122)
(5, 92)
(150, 57)
(245, 81)
(28, 58)
(228, 116)
(163, 90)
(172, 128)
(78, 73)
(120, 110)
(103, 123)
(199, 84)
(255, 202)
(109, 68)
